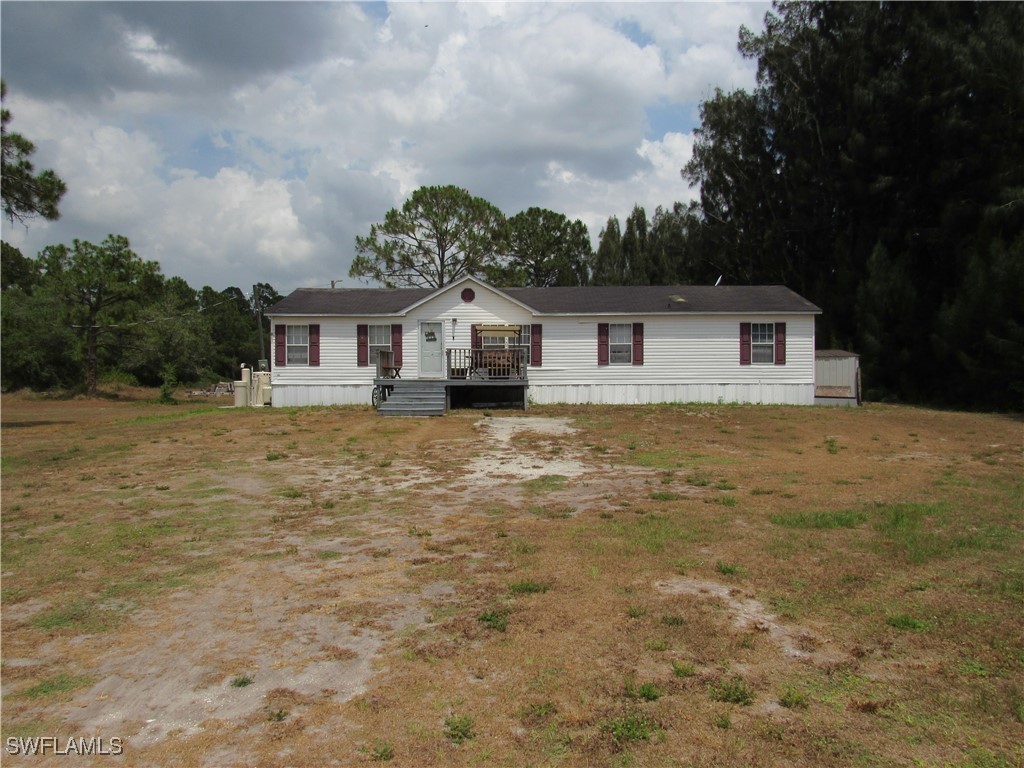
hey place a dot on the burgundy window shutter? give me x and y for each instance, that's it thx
(638, 343)
(475, 341)
(744, 343)
(362, 345)
(535, 344)
(780, 343)
(396, 344)
(314, 345)
(602, 343)
(280, 345)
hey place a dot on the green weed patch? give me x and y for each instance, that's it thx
(545, 484)
(820, 520)
(60, 684)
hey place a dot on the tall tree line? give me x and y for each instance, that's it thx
(79, 313)
(877, 169)
(658, 251)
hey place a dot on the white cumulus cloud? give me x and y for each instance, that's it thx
(232, 168)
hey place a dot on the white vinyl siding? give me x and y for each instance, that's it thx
(692, 358)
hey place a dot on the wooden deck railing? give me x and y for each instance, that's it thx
(487, 364)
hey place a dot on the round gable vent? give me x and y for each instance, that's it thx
(468, 294)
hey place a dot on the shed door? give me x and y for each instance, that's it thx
(431, 350)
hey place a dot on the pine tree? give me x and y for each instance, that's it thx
(609, 267)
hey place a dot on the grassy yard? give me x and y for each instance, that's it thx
(574, 586)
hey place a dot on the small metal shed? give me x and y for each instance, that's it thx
(836, 377)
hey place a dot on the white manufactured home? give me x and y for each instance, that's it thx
(628, 344)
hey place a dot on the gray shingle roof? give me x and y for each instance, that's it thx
(348, 301)
(625, 300)
(644, 299)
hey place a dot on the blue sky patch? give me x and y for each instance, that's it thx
(671, 118)
(632, 30)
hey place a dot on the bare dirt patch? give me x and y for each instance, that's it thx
(572, 586)
(528, 457)
(750, 614)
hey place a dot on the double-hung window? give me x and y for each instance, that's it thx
(762, 343)
(523, 342)
(297, 345)
(379, 338)
(371, 340)
(620, 343)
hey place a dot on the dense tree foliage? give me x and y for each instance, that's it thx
(440, 235)
(876, 169)
(101, 288)
(672, 258)
(609, 268)
(544, 249)
(658, 251)
(76, 314)
(26, 194)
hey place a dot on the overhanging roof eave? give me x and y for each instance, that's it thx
(334, 314)
(635, 313)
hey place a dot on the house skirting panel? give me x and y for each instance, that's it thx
(291, 395)
(638, 394)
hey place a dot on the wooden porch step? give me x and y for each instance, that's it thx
(414, 398)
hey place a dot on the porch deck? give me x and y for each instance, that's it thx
(486, 365)
(480, 377)
(475, 366)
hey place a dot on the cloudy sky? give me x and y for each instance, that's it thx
(251, 142)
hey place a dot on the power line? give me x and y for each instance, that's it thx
(152, 320)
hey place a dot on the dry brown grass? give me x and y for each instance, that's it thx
(725, 585)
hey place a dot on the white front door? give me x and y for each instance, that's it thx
(432, 350)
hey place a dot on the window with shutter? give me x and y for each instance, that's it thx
(378, 339)
(620, 343)
(638, 343)
(744, 343)
(314, 344)
(362, 345)
(762, 343)
(280, 345)
(297, 345)
(396, 343)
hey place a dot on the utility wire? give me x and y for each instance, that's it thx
(151, 321)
